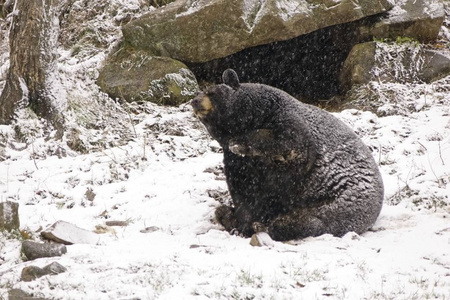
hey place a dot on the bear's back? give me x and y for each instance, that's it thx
(344, 165)
(290, 166)
(341, 159)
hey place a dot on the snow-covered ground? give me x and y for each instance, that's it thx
(161, 177)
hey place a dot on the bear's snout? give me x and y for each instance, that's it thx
(196, 103)
(202, 105)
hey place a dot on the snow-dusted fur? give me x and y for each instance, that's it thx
(292, 167)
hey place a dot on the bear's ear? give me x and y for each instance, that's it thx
(230, 78)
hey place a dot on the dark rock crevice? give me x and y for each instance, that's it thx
(306, 67)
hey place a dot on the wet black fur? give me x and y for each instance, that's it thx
(291, 167)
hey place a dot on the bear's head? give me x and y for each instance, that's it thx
(231, 108)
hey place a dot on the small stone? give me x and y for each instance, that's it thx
(18, 294)
(33, 272)
(9, 216)
(116, 223)
(261, 239)
(68, 234)
(33, 250)
(89, 194)
(150, 229)
(54, 268)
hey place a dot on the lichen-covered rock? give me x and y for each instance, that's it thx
(31, 273)
(406, 62)
(137, 76)
(199, 31)
(418, 19)
(9, 216)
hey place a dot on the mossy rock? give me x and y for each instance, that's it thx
(393, 62)
(358, 65)
(200, 31)
(417, 19)
(136, 76)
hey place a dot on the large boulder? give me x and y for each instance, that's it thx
(137, 76)
(436, 65)
(418, 19)
(399, 62)
(199, 31)
(358, 66)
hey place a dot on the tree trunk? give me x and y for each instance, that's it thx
(32, 42)
(5, 7)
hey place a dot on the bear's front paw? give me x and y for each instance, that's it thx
(243, 150)
(240, 149)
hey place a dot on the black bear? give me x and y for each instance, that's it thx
(292, 169)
